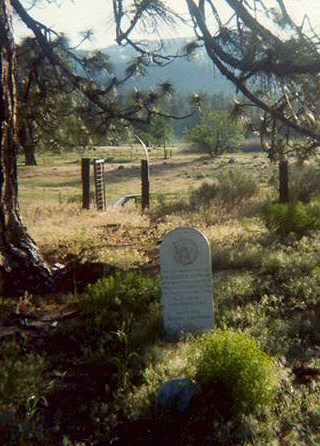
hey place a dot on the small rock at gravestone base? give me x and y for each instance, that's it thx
(176, 395)
(186, 282)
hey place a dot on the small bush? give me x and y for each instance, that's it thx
(228, 360)
(123, 316)
(232, 188)
(304, 183)
(297, 218)
(118, 299)
(204, 194)
(236, 186)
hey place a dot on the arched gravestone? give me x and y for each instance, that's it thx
(186, 282)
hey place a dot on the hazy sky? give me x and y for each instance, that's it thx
(75, 16)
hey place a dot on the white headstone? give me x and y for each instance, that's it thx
(186, 282)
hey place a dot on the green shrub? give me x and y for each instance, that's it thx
(232, 187)
(236, 186)
(230, 361)
(304, 183)
(297, 218)
(204, 194)
(122, 314)
(116, 300)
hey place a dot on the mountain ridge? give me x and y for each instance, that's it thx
(186, 76)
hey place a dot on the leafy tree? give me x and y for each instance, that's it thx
(159, 132)
(217, 133)
(273, 61)
(202, 102)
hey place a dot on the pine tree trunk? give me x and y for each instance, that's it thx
(22, 268)
(30, 159)
(283, 182)
(27, 146)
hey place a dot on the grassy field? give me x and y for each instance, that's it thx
(84, 367)
(50, 193)
(60, 177)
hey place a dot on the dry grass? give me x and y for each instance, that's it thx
(58, 181)
(50, 197)
(64, 230)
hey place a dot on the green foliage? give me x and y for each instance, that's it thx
(304, 183)
(123, 314)
(183, 105)
(217, 133)
(119, 298)
(19, 373)
(230, 360)
(123, 317)
(53, 118)
(20, 395)
(232, 188)
(159, 132)
(297, 218)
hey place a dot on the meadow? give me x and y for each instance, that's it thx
(83, 367)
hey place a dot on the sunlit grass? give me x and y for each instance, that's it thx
(57, 178)
(95, 236)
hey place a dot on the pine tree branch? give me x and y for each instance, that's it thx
(85, 86)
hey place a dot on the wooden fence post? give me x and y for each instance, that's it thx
(85, 176)
(144, 184)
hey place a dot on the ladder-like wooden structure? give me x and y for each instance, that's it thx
(99, 181)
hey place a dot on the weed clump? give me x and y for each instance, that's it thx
(297, 218)
(230, 366)
(21, 399)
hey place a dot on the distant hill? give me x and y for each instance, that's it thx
(186, 76)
